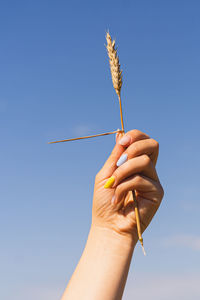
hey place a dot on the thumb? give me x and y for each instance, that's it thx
(110, 164)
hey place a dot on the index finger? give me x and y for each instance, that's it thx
(132, 136)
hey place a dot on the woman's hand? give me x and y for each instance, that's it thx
(131, 166)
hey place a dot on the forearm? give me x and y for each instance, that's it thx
(103, 268)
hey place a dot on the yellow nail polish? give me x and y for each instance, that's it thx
(109, 183)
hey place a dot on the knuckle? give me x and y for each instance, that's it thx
(161, 192)
(119, 190)
(140, 133)
(135, 134)
(146, 160)
(135, 149)
(136, 131)
(137, 180)
(155, 144)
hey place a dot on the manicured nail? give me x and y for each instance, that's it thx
(122, 159)
(125, 140)
(109, 183)
(113, 199)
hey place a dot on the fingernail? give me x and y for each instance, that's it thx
(109, 183)
(122, 159)
(113, 199)
(125, 140)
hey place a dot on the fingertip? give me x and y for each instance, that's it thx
(125, 140)
(117, 136)
(120, 136)
(110, 182)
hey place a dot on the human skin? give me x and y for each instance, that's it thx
(103, 267)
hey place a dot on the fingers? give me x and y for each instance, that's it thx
(140, 164)
(149, 147)
(131, 137)
(110, 165)
(143, 185)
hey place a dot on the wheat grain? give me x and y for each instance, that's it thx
(116, 73)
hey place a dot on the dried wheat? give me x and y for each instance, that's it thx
(116, 73)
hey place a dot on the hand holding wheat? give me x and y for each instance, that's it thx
(112, 207)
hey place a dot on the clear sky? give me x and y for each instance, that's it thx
(55, 83)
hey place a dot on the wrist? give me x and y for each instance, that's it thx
(103, 268)
(111, 240)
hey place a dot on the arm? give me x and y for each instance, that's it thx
(103, 268)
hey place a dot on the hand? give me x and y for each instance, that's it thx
(113, 207)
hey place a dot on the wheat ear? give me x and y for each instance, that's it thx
(116, 74)
(114, 64)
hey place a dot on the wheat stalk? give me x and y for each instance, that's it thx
(86, 137)
(116, 74)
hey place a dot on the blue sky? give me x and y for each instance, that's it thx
(55, 83)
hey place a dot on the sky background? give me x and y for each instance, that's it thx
(55, 83)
